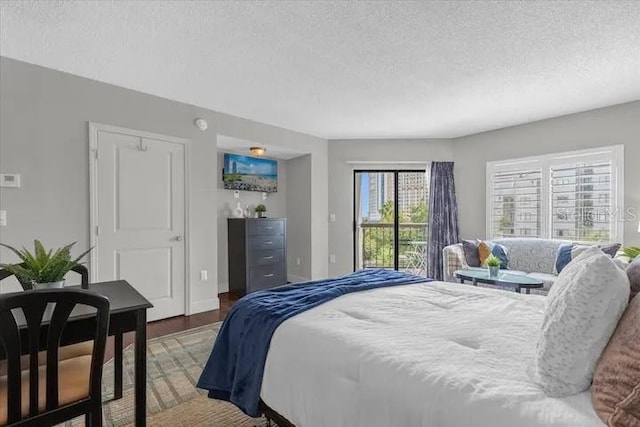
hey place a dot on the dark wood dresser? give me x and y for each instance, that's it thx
(257, 254)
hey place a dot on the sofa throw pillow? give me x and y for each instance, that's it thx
(633, 272)
(616, 383)
(471, 254)
(486, 249)
(569, 251)
(582, 310)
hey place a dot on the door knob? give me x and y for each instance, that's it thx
(178, 238)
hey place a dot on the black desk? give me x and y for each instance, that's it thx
(128, 314)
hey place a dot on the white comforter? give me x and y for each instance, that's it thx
(431, 354)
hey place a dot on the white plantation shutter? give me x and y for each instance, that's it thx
(517, 201)
(573, 196)
(582, 201)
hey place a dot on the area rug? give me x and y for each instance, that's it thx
(174, 363)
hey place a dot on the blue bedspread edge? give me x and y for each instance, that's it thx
(236, 365)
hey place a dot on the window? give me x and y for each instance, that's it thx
(573, 196)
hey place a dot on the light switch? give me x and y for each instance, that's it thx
(332, 258)
(236, 194)
(332, 217)
(204, 275)
(3, 218)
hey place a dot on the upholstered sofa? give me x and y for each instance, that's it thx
(531, 257)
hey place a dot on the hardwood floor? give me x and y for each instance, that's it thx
(180, 323)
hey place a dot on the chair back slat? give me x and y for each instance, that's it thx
(33, 315)
(34, 306)
(56, 326)
(9, 340)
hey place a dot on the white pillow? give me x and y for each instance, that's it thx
(582, 310)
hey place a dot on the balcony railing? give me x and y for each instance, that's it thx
(375, 246)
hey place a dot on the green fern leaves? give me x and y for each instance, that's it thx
(43, 266)
(631, 252)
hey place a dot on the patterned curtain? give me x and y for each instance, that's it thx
(443, 216)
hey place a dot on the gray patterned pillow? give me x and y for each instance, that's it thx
(582, 310)
(471, 253)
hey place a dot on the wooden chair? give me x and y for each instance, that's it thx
(61, 389)
(80, 349)
(27, 286)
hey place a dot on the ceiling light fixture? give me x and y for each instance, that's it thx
(258, 151)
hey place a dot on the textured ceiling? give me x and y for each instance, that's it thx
(346, 69)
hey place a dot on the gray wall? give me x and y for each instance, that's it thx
(299, 222)
(276, 204)
(615, 125)
(347, 155)
(44, 137)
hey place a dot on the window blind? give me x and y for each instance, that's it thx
(516, 203)
(575, 196)
(581, 201)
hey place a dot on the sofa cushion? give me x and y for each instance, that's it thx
(582, 310)
(471, 254)
(486, 249)
(616, 383)
(531, 255)
(570, 251)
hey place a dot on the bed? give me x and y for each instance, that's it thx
(428, 354)
(384, 348)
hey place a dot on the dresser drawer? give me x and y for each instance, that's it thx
(265, 227)
(266, 242)
(266, 276)
(266, 257)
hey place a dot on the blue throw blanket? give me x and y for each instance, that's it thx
(236, 364)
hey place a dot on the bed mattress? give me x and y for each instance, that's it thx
(430, 354)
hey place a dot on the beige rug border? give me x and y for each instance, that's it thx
(150, 340)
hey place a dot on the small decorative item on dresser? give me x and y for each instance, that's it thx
(261, 211)
(493, 263)
(238, 212)
(43, 269)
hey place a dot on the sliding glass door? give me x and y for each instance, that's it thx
(390, 219)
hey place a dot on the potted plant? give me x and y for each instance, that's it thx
(493, 263)
(42, 268)
(631, 252)
(261, 211)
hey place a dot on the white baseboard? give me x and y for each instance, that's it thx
(204, 305)
(296, 279)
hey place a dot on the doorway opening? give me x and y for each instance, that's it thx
(390, 220)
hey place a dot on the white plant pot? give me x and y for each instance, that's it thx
(494, 271)
(50, 285)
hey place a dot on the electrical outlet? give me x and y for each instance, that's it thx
(3, 218)
(332, 258)
(236, 194)
(204, 275)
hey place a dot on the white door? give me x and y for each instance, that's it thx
(139, 215)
